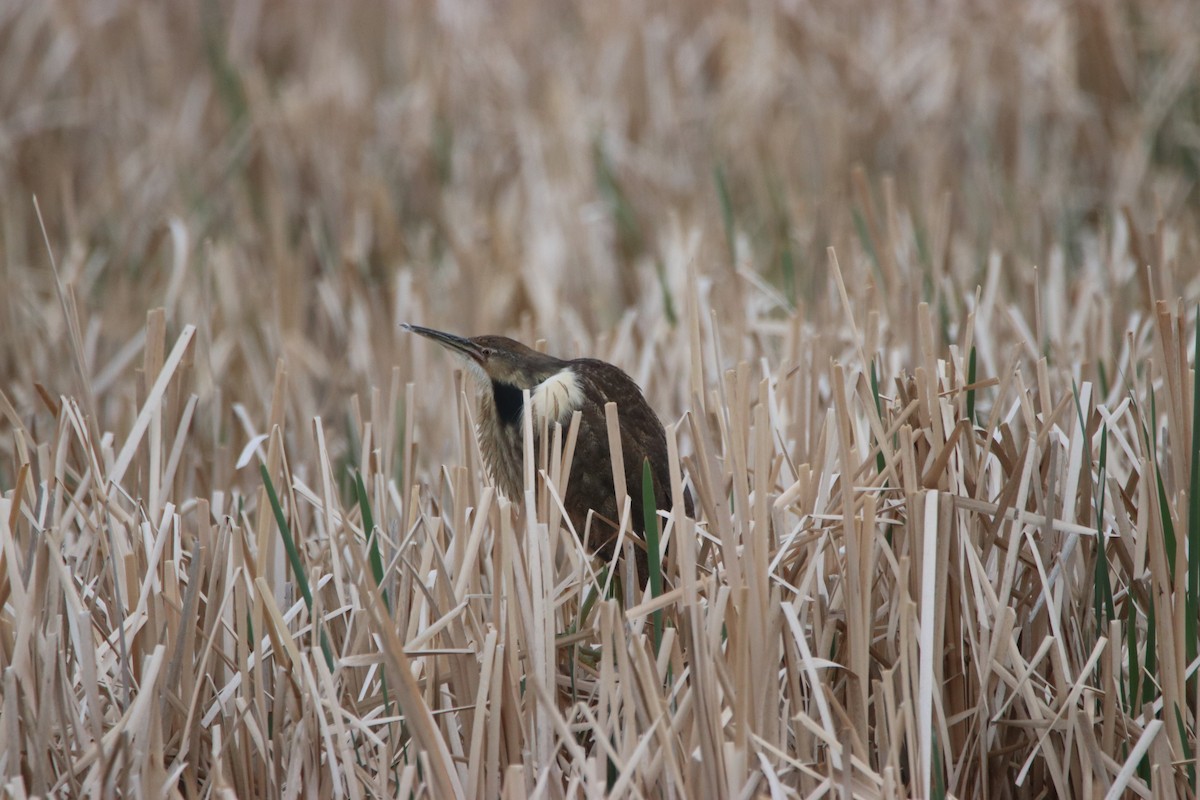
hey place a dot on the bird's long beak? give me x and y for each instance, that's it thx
(458, 344)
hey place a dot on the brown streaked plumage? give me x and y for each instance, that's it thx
(503, 369)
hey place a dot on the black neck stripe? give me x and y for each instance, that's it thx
(509, 401)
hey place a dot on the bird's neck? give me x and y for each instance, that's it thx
(501, 418)
(552, 399)
(500, 440)
(509, 401)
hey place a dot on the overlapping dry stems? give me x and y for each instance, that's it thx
(945, 535)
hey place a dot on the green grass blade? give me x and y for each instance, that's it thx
(1102, 596)
(376, 562)
(1186, 739)
(938, 790)
(1163, 506)
(1149, 670)
(368, 520)
(864, 236)
(1104, 605)
(289, 545)
(369, 525)
(653, 551)
(971, 382)
(293, 554)
(1168, 525)
(629, 230)
(787, 268)
(880, 461)
(228, 82)
(668, 299)
(782, 225)
(1193, 590)
(726, 210)
(1131, 637)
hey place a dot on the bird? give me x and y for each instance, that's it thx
(504, 369)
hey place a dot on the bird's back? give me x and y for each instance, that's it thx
(642, 438)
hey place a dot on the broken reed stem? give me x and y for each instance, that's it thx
(896, 441)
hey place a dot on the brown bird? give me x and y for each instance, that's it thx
(503, 369)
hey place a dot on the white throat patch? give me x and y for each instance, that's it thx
(482, 381)
(556, 398)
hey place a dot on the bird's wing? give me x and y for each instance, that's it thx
(643, 437)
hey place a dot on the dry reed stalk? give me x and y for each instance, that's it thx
(937, 370)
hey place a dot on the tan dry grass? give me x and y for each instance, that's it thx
(749, 209)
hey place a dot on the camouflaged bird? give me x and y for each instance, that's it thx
(504, 369)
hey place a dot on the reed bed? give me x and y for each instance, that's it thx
(917, 299)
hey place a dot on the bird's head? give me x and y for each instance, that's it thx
(508, 369)
(497, 359)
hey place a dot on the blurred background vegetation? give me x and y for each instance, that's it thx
(542, 168)
(659, 185)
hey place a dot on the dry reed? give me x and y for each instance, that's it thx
(917, 298)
